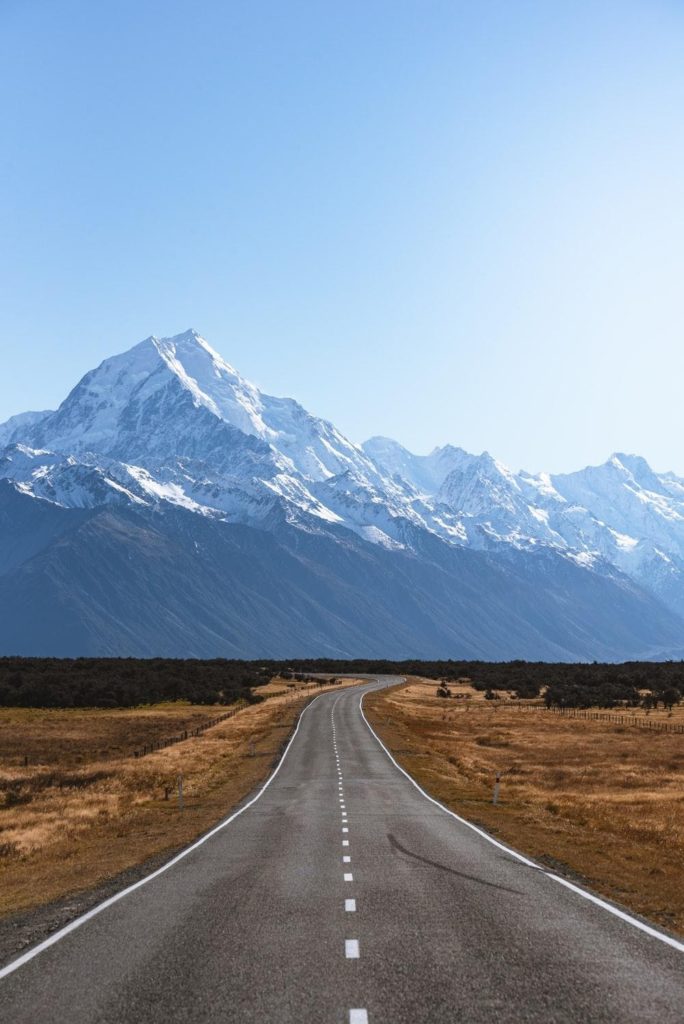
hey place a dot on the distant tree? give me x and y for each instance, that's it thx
(671, 697)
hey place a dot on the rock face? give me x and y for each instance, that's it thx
(168, 507)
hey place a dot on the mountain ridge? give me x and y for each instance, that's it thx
(171, 432)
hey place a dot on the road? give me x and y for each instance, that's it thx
(343, 894)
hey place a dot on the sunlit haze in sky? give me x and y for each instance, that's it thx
(442, 222)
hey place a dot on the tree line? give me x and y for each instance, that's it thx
(127, 682)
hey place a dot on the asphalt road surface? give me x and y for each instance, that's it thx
(343, 894)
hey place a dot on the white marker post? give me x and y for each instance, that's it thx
(180, 791)
(497, 784)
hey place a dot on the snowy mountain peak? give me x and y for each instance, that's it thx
(213, 382)
(425, 473)
(171, 422)
(193, 430)
(16, 426)
(639, 469)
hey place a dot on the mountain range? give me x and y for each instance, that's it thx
(170, 508)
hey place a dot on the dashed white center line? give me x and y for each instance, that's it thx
(357, 1015)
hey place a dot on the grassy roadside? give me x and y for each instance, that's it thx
(84, 810)
(597, 801)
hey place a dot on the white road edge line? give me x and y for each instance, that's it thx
(94, 911)
(653, 932)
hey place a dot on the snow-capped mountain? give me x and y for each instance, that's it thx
(167, 445)
(16, 426)
(621, 512)
(174, 416)
(159, 380)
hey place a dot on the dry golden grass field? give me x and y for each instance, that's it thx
(602, 801)
(83, 809)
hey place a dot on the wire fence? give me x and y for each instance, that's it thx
(631, 720)
(169, 741)
(186, 734)
(600, 716)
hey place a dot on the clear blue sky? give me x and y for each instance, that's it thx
(458, 221)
